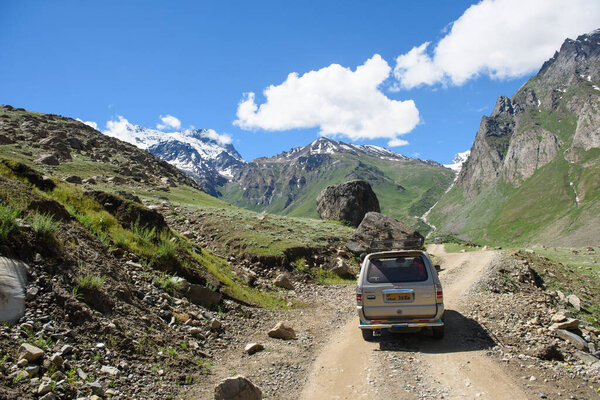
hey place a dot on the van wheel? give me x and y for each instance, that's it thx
(438, 332)
(367, 334)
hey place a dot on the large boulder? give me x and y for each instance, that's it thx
(237, 388)
(13, 281)
(348, 202)
(376, 226)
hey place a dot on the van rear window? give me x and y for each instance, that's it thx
(397, 269)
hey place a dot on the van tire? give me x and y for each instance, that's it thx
(367, 334)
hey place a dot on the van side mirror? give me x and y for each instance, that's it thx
(363, 256)
(437, 268)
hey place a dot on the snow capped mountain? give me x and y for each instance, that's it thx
(204, 155)
(327, 146)
(459, 160)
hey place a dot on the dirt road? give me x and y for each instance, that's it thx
(417, 366)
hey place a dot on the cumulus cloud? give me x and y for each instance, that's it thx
(222, 138)
(397, 142)
(498, 38)
(88, 123)
(169, 122)
(335, 99)
(120, 129)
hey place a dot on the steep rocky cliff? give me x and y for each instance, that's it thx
(539, 148)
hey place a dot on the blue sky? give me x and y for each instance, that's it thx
(436, 66)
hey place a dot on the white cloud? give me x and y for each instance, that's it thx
(499, 38)
(397, 142)
(336, 99)
(120, 129)
(169, 122)
(223, 138)
(88, 123)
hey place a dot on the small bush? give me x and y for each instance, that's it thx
(8, 215)
(167, 249)
(43, 224)
(168, 283)
(143, 233)
(89, 281)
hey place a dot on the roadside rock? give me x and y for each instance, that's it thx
(237, 388)
(30, 353)
(570, 324)
(283, 281)
(252, 348)
(348, 201)
(341, 268)
(282, 331)
(376, 226)
(572, 338)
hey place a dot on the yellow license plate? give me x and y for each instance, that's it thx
(398, 297)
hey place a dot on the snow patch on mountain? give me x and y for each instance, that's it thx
(459, 160)
(207, 143)
(327, 146)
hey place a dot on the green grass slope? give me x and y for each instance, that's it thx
(543, 209)
(405, 189)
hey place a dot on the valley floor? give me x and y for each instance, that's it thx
(476, 359)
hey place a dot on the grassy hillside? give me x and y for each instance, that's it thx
(543, 209)
(405, 189)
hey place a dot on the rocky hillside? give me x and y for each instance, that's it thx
(137, 279)
(290, 182)
(201, 154)
(533, 172)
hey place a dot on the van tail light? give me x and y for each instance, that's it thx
(439, 294)
(358, 297)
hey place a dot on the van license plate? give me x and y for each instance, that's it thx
(398, 297)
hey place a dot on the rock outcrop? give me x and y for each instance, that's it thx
(348, 201)
(376, 226)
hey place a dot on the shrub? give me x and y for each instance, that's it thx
(8, 215)
(43, 224)
(89, 281)
(167, 249)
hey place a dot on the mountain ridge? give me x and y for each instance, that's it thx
(532, 175)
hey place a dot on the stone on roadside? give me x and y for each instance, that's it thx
(341, 268)
(44, 388)
(570, 325)
(282, 331)
(57, 361)
(237, 387)
(252, 348)
(586, 358)
(572, 338)
(48, 396)
(283, 281)
(30, 353)
(559, 317)
(215, 324)
(108, 370)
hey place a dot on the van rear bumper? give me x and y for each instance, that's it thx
(408, 323)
